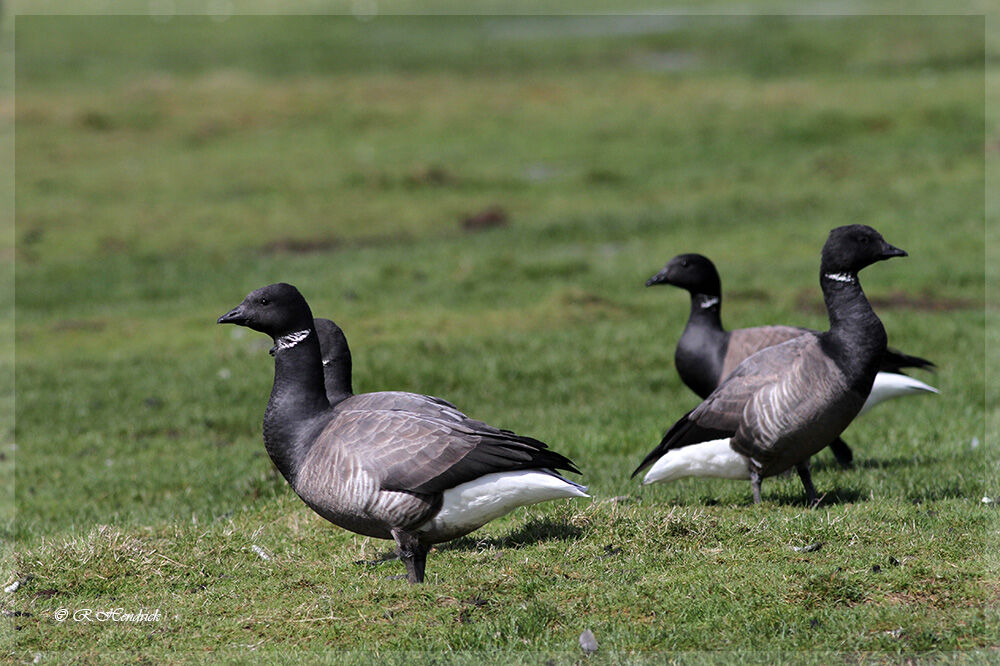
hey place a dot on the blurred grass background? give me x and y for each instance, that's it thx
(166, 166)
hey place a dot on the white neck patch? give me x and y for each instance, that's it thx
(710, 303)
(290, 340)
(840, 277)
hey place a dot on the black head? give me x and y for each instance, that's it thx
(332, 342)
(277, 309)
(850, 248)
(689, 271)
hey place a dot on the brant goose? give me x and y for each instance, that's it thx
(786, 402)
(375, 469)
(707, 353)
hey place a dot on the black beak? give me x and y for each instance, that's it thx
(234, 316)
(660, 278)
(890, 251)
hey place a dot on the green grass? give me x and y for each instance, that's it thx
(166, 169)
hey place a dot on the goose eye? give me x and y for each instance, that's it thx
(262, 300)
(863, 240)
(684, 263)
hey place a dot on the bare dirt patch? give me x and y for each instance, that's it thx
(489, 218)
(806, 301)
(330, 243)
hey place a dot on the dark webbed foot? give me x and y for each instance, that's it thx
(413, 553)
(806, 477)
(842, 453)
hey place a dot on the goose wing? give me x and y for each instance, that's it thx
(745, 342)
(419, 403)
(420, 453)
(724, 409)
(795, 412)
(410, 402)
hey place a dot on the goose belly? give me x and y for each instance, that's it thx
(352, 500)
(346, 514)
(471, 505)
(714, 458)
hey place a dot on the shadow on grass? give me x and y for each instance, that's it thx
(828, 497)
(534, 531)
(828, 463)
(845, 494)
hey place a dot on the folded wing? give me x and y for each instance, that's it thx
(418, 453)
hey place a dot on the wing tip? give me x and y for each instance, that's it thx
(650, 459)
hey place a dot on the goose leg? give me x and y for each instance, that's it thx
(419, 561)
(803, 470)
(842, 453)
(755, 484)
(413, 553)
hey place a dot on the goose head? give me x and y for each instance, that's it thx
(692, 272)
(277, 310)
(850, 248)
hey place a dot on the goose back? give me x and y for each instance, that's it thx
(745, 342)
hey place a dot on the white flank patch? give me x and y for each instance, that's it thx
(290, 340)
(890, 385)
(475, 503)
(841, 277)
(713, 458)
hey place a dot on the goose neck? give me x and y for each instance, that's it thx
(846, 303)
(855, 329)
(706, 309)
(298, 397)
(337, 377)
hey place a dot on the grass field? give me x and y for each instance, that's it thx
(166, 168)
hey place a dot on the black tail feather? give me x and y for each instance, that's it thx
(896, 361)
